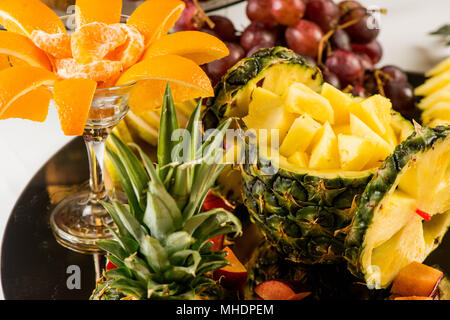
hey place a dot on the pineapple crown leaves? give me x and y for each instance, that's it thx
(161, 246)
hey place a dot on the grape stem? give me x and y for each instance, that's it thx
(322, 41)
(203, 14)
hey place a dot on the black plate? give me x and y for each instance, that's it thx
(34, 266)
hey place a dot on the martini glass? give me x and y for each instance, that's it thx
(80, 220)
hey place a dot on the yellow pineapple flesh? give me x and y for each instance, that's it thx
(299, 135)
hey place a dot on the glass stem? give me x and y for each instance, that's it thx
(95, 140)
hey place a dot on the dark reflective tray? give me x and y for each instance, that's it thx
(34, 266)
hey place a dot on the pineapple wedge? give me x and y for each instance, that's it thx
(299, 159)
(437, 97)
(325, 154)
(267, 112)
(381, 150)
(441, 67)
(340, 102)
(354, 152)
(343, 129)
(439, 111)
(375, 112)
(299, 135)
(301, 99)
(433, 84)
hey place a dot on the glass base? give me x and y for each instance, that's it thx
(78, 223)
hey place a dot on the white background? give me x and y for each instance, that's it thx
(25, 146)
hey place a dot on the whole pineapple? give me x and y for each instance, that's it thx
(161, 246)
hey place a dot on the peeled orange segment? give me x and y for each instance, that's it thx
(100, 71)
(55, 44)
(18, 81)
(106, 11)
(154, 18)
(187, 81)
(200, 47)
(131, 51)
(16, 45)
(73, 98)
(95, 40)
(24, 16)
(31, 106)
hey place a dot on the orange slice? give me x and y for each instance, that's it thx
(131, 51)
(73, 98)
(187, 81)
(106, 11)
(155, 18)
(55, 44)
(7, 61)
(19, 46)
(102, 71)
(31, 106)
(198, 46)
(95, 40)
(24, 16)
(16, 82)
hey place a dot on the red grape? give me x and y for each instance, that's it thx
(323, 12)
(331, 78)
(189, 19)
(365, 60)
(304, 37)
(257, 34)
(395, 73)
(372, 49)
(218, 68)
(340, 40)
(224, 28)
(362, 31)
(259, 11)
(402, 96)
(346, 65)
(287, 12)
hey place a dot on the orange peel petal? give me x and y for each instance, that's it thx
(155, 18)
(20, 80)
(106, 11)
(19, 46)
(24, 16)
(73, 99)
(187, 81)
(198, 46)
(31, 106)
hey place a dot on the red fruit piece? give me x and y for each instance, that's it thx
(217, 242)
(287, 12)
(233, 276)
(416, 279)
(277, 290)
(110, 266)
(213, 202)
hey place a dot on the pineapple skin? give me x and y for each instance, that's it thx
(425, 139)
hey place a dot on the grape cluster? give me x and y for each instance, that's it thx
(340, 38)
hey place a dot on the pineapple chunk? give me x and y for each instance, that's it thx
(390, 137)
(381, 148)
(374, 112)
(344, 129)
(340, 103)
(301, 99)
(300, 135)
(441, 67)
(266, 112)
(325, 154)
(433, 84)
(439, 111)
(442, 95)
(299, 159)
(354, 152)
